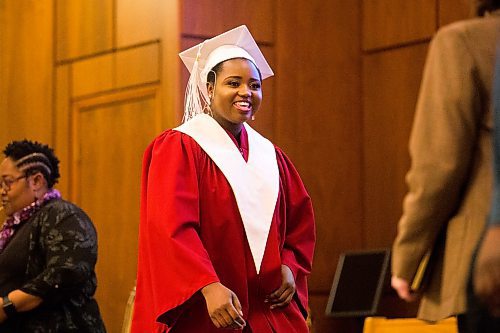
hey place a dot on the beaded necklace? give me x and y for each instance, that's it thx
(10, 225)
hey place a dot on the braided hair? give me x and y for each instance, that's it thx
(32, 157)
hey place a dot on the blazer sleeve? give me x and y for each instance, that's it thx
(441, 147)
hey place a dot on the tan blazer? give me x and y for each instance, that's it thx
(450, 179)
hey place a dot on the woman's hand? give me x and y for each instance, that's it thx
(223, 306)
(284, 294)
(22, 302)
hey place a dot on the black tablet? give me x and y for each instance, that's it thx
(358, 283)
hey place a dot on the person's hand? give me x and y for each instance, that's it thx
(402, 287)
(284, 294)
(486, 275)
(223, 306)
(22, 301)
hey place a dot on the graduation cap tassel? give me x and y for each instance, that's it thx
(194, 99)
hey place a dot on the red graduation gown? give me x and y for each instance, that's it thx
(191, 234)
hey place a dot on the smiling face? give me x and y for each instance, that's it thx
(237, 94)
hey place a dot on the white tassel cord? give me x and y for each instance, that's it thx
(195, 102)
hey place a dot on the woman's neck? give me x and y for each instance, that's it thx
(234, 129)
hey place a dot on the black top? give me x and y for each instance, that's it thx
(52, 255)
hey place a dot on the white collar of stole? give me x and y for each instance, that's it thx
(254, 183)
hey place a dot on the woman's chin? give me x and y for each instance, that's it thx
(245, 116)
(240, 120)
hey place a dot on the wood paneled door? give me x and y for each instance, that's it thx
(106, 171)
(110, 109)
(106, 155)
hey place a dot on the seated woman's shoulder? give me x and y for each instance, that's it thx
(61, 209)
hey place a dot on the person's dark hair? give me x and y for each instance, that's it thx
(217, 68)
(483, 6)
(33, 157)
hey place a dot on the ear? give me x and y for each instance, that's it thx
(37, 181)
(210, 90)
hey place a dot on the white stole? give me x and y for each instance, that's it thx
(255, 183)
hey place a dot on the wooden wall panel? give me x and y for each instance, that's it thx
(391, 80)
(121, 69)
(107, 150)
(93, 75)
(83, 27)
(387, 23)
(139, 21)
(211, 17)
(138, 65)
(318, 119)
(62, 126)
(170, 70)
(454, 10)
(26, 72)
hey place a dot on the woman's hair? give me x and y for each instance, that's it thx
(483, 6)
(217, 68)
(33, 157)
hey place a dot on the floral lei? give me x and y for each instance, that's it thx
(9, 226)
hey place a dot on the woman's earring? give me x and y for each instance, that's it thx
(253, 117)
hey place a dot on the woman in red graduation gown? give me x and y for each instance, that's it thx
(227, 228)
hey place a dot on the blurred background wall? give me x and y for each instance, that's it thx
(98, 79)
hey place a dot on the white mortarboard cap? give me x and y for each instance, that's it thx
(201, 58)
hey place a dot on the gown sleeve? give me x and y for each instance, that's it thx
(173, 263)
(300, 234)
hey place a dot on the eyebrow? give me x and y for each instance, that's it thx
(240, 77)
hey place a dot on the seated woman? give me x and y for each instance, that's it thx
(48, 249)
(227, 228)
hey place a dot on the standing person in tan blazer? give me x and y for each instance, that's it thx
(450, 180)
